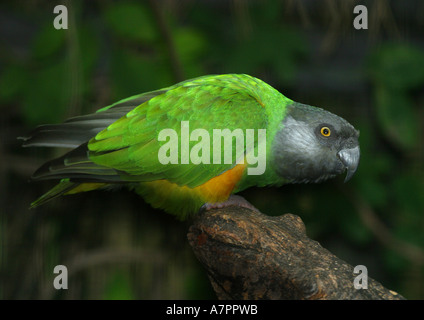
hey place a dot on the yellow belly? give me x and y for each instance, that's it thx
(182, 200)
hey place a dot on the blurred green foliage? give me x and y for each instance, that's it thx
(396, 70)
(116, 49)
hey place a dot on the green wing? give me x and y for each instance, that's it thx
(130, 145)
(119, 143)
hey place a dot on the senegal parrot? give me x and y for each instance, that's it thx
(139, 142)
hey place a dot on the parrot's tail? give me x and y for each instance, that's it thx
(65, 187)
(76, 165)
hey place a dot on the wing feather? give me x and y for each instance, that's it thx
(220, 102)
(119, 143)
(78, 130)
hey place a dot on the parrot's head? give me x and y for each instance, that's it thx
(314, 145)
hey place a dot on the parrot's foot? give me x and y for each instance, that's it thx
(232, 201)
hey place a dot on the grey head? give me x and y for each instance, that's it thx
(314, 145)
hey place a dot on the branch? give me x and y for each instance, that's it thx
(249, 255)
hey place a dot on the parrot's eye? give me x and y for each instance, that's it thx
(325, 131)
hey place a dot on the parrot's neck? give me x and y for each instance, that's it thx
(276, 107)
(268, 178)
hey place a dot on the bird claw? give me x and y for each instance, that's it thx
(232, 201)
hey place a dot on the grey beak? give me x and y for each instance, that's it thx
(350, 159)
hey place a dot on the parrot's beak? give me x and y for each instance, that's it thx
(350, 159)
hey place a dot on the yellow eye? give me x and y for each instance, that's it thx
(325, 131)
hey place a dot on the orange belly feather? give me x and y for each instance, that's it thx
(217, 189)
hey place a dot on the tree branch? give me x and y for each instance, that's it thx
(249, 255)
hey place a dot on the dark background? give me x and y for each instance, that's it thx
(113, 244)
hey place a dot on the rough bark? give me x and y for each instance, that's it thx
(249, 255)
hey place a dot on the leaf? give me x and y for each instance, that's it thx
(408, 190)
(118, 287)
(48, 41)
(12, 81)
(398, 66)
(373, 191)
(255, 53)
(355, 229)
(397, 117)
(48, 94)
(190, 45)
(88, 48)
(131, 21)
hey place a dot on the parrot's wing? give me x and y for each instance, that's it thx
(131, 144)
(127, 150)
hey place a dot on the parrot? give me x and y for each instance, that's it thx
(118, 145)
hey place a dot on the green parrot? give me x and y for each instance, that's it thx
(138, 142)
